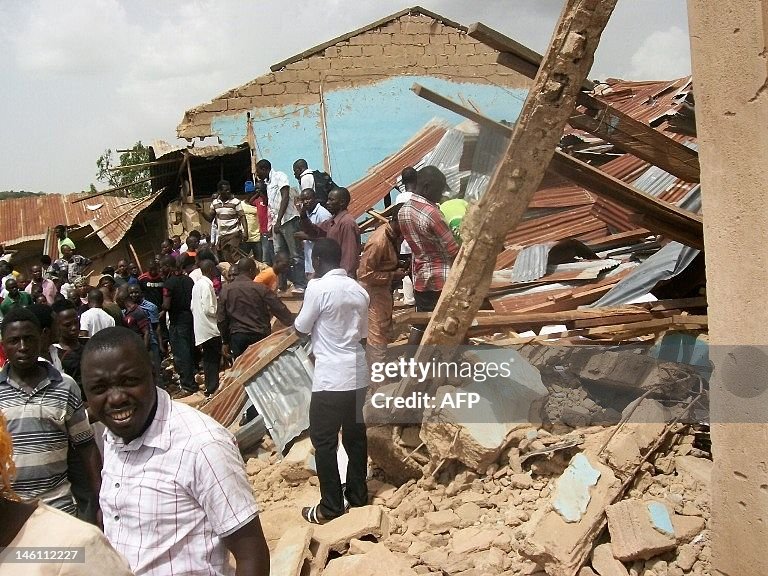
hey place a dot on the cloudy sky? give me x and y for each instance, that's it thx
(85, 75)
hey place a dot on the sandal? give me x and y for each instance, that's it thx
(312, 515)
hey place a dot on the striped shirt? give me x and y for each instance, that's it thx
(42, 424)
(227, 215)
(170, 495)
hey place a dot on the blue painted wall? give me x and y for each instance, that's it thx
(365, 124)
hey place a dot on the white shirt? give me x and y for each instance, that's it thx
(94, 320)
(335, 313)
(57, 529)
(276, 182)
(319, 214)
(204, 310)
(306, 180)
(170, 495)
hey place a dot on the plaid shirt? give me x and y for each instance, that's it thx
(170, 495)
(431, 240)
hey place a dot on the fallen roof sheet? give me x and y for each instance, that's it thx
(665, 264)
(29, 218)
(281, 392)
(381, 179)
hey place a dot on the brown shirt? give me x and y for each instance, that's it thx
(246, 307)
(345, 231)
(379, 260)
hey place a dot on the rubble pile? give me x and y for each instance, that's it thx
(525, 515)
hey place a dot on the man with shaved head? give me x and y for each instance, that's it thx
(175, 498)
(341, 227)
(246, 309)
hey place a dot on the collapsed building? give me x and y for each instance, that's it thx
(594, 456)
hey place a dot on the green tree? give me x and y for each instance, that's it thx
(113, 174)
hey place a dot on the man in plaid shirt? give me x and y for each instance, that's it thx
(430, 238)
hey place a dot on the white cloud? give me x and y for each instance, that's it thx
(83, 38)
(664, 54)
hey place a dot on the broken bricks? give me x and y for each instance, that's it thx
(640, 530)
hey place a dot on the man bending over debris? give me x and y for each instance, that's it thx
(335, 313)
(176, 497)
(430, 238)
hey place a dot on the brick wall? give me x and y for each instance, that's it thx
(414, 44)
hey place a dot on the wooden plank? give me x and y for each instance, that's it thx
(678, 224)
(619, 240)
(679, 303)
(514, 319)
(117, 188)
(637, 138)
(511, 49)
(449, 104)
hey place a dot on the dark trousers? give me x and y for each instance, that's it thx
(330, 412)
(267, 250)
(211, 364)
(85, 499)
(182, 343)
(252, 248)
(239, 342)
(285, 240)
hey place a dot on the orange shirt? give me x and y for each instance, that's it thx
(268, 278)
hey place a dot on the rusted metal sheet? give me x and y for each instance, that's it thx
(381, 179)
(25, 219)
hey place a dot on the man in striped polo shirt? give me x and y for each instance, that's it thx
(230, 222)
(45, 414)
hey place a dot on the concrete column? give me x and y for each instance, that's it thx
(730, 73)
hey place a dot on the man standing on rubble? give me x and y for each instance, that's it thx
(316, 213)
(335, 313)
(341, 227)
(177, 300)
(284, 221)
(175, 493)
(231, 225)
(379, 269)
(430, 238)
(245, 310)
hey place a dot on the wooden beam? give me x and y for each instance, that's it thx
(607, 123)
(145, 164)
(537, 132)
(117, 188)
(637, 138)
(659, 216)
(512, 50)
(679, 224)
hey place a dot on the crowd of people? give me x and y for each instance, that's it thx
(166, 483)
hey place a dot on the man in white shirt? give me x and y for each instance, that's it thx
(316, 214)
(175, 496)
(335, 313)
(284, 220)
(204, 308)
(95, 319)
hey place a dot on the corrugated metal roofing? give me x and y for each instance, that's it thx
(381, 179)
(25, 219)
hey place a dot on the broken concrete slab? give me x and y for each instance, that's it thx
(360, 546)
(576, 416)
(640, 530)
(292, 551)
(572, 490)
(687, 527)
(299, 463)
(639, 373)
(378, 562)
(605, 564)
(441, 521)
(698, 469)
(363, 521)
(473, 539)
(475, 435)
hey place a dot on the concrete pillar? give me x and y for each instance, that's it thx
(730, 73)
